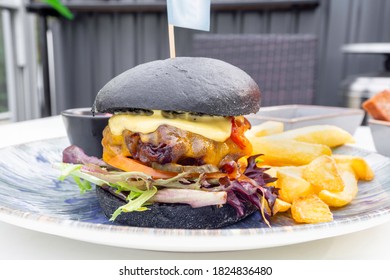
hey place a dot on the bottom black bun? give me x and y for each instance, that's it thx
(180, 216)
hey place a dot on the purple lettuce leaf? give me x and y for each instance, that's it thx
(76, 155)
(251, 188)
(257, 173)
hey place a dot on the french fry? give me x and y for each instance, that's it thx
(329, 135)
(279, 152)
(361, 168)
(310, 209)
(291, 185)
(323, 174)
(271, 171)
(339, 199)
(279, 206)
(265, 128)
(296, 170)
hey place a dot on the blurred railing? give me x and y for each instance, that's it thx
(19, 69)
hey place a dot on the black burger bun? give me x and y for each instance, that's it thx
(179, 216)
(189, 84)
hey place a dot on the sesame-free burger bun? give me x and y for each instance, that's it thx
(189, 84)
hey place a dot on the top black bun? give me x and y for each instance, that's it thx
(190, 84)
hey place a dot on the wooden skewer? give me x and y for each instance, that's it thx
(171, 34)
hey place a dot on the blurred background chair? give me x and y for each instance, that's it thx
(284, 66)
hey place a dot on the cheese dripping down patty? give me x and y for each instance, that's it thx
(216, 128)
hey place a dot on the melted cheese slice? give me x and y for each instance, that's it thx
(212, 127)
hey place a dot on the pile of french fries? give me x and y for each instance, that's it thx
(311, 180)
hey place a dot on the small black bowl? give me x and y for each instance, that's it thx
(85, 130)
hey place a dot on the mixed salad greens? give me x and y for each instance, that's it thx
(248, 186)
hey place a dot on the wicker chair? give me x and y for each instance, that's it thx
(284, 66)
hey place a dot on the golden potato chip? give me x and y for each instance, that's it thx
(265, 128)
(344, 166)
(310, 209)
(361, 168)
(329, 135)
(339, 199)
(280, 206)
(279, 152)
(323, 174)
(291, 185)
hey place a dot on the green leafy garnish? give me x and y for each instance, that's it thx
(135, 202)
(259, 160)
(84, 185)
(67, 169)
(138, 187)
(137, 197)
(74, 170)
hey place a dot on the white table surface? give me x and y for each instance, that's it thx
(20, 243)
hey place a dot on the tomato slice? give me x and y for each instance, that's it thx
(128, 164)
(239, 126)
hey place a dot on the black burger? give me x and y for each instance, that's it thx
(175, 153)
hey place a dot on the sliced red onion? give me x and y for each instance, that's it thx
(195, 198)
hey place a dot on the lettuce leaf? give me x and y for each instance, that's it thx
(82, 179)
(135, 202)
(140, 190)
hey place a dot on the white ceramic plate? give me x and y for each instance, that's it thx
(33, 198)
